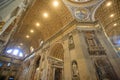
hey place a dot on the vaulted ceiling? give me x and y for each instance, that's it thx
(44, 18)
(43, 27)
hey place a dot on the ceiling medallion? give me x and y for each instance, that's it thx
(82, 14)
(83, 10)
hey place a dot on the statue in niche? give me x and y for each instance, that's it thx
(104, 70)
(71, 42)
(70, 39)
(75, 72)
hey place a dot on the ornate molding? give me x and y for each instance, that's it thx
(82, 10)
(80, 3)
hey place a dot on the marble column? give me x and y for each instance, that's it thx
(67, 61)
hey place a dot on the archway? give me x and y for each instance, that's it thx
(57, 51)
(55, 61)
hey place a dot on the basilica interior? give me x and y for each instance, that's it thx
(59, 39)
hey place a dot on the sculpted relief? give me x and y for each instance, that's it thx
(104, 69)
(94, 45)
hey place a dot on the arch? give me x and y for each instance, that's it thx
(57, 51)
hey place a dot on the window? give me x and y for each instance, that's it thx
(15, 52)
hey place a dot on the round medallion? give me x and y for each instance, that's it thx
(82, 14)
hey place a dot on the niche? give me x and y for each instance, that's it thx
(75, 72)
(71, 42)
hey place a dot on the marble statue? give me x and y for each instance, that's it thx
(75, 71)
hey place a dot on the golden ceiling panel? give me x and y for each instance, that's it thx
(57, 17)
(109, 15)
